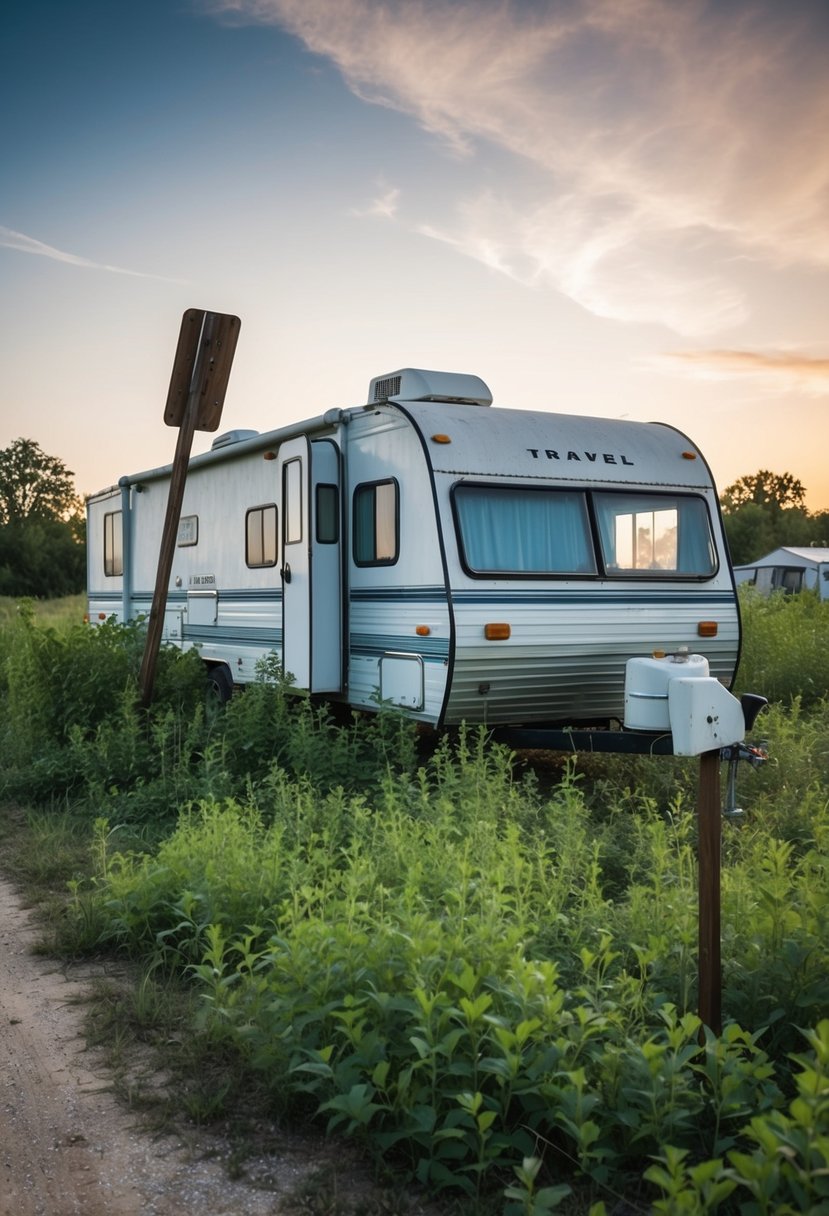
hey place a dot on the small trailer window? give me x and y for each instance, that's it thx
(327, 515)
(292, 501)
(113, 544)
(376, 526)
(525, 531)
(260, 536)
(657, 534)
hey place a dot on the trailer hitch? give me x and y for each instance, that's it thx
(756, 755)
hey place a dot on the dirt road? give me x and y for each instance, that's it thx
(66, 1145)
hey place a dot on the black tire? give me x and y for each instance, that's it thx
(219, 684)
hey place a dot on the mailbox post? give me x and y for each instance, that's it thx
(709, 849)
(676, 693)
(201, 370)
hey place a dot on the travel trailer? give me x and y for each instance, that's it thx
(789, 569)
(431, 552)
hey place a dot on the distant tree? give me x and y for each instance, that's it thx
(820, 529)
(42, 541)
(34, 485)
(41, 558)
(765, 511)
(750, 532)
(774, 490)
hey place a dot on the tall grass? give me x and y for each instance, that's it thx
(66, 611)
(785, 647)
(487, 979)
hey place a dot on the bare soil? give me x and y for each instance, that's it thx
(68, 1145)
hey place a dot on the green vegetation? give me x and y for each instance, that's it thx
(54, 613)
(42, 530)
(765, 510)
(785, 652)
(484, 976)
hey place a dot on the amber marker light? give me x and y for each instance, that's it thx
(707, 629)
(102, 616)
(689, 455)
(441, 439)
(269, 456)
(497, 631)
(422, 631)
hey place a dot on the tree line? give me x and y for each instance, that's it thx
(43, 532)
(766, 510)
(42, 529)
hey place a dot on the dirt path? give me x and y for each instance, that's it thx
(67, 1146)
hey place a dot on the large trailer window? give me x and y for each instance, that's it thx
(536, 532)
(376, 528)
(523, 531)
(655, 533)
(113, 544)
(260, 536)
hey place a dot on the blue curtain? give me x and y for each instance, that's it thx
(524, 531)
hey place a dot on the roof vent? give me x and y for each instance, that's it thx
(231, 437)
(414, 384)
(389, 386)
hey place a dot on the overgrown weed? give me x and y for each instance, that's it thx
(487, 979)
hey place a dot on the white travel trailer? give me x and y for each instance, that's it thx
(426, 550)
(789, 569)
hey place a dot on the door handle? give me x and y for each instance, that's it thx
(286, 573)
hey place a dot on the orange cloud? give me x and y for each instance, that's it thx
(792, 369)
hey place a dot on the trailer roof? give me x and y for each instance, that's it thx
(556, 447)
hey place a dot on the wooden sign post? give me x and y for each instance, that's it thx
(201, 370)
(709, 850)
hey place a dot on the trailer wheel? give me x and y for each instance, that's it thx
(219, 684)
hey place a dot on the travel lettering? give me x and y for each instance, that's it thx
(592, 457)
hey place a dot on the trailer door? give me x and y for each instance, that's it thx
(311, 569)
(295, 572)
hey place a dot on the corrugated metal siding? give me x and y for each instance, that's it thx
(384, 620)
(565, 659)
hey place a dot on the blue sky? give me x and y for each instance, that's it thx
(612, 207)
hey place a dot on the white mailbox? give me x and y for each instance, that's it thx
(704, 716)
(675, 693)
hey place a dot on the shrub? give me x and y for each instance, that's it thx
(785, 653)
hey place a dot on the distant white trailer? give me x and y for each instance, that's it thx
(431, 552)
(789, 569)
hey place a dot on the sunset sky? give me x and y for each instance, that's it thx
(610, 207)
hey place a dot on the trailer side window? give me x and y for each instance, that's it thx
(292, 501)
(661, 534)
(113, 544)
(790, 579)
(376, 523)
(528, 531)
(327, 514)
(260, 536)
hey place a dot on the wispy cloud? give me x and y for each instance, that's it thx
(384, 205)
(29, 244)
(789, 370)
(660, 141)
